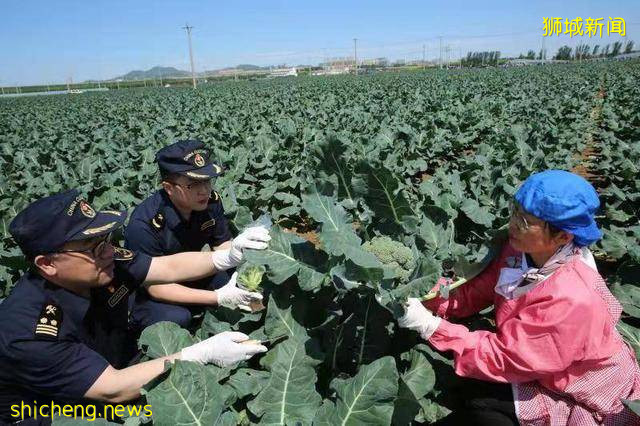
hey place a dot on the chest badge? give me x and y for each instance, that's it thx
(208, 224)
(117, 296)
(158, 221)
(49, 321)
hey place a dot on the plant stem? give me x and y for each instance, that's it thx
(433, 294)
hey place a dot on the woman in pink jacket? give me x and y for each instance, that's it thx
(556, 344)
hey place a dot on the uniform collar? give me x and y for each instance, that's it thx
(171, 213)
(75, 307)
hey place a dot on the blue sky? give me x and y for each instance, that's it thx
(52, 41)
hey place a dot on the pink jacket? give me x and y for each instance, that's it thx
(556, 344)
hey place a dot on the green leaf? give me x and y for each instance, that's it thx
(477, 213)
(164, 338)
(382, 193)
(286, 256)
(290, 396)
(280, 321)
(330, 154)
(629, 297)
(631, 335)
(246, 381)
(337, 235)
(188, 395)
(632, 405)
(615, 242)
(366, 398)
(415, 382)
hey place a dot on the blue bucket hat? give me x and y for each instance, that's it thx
(564, 200)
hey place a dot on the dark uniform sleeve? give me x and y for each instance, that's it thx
(221, 233)
(131, 267)
(61, 369)
(141, 237)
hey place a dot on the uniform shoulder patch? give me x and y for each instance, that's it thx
(49, 321)
(157, 222)
(120, 253)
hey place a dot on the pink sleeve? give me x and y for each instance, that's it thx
(545, 337)
(473, 296)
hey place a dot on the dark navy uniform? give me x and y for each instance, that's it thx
(54, 344)
(156, 228)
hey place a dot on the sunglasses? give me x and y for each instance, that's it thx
(97, 250)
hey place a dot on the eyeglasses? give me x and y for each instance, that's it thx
(193, 185)
(97, 250)
(517, 216)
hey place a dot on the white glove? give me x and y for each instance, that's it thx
(222, 349)
(418, 318)
(233, 297)
(256, 237)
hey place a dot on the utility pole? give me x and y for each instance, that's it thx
(440, 51)
(193, 72)
(424, 63)
(355, 55)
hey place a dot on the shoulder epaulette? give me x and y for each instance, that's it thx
(49, 321)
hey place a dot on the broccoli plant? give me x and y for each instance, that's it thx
(394, 255)
(250, 276)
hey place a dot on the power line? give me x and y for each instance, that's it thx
(193, 71)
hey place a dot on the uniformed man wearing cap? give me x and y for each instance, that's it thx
(64, 334)
(184, 215)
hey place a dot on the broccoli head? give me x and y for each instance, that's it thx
(251, 276)
(393, 255)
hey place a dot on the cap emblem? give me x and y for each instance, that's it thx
(86, 209)
(198, 160)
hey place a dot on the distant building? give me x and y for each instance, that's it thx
(284, 72)
(332, 71)
(630, 55)
(375, 62)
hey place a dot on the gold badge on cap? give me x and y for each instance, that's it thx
(198, 160)
(86, 209)
(49, 321)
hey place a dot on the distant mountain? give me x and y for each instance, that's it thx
(249, 67)
(155, 72)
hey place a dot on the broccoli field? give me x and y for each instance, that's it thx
(428, 160)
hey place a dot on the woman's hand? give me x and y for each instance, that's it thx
(418, 318)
